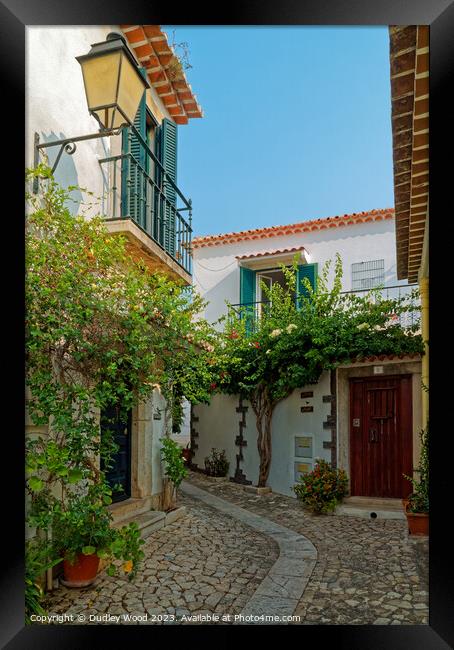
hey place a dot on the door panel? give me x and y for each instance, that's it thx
(119, 423)
(380, 436)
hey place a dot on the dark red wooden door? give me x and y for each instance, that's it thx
(380, 436)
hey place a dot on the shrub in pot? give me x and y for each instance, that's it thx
(216, 464)
(417, 504)
(175, 471)
(82, 534)
(323, 488)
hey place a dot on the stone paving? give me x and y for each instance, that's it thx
(367, 572)
(201, 564)
(221, 559)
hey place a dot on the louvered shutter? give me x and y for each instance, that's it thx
(133, 179)
(247, 296)
(308, 271)
(169, 160)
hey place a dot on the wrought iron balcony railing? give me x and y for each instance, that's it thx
(143, 191)
(253, 311)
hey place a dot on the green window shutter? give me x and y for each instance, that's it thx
(305, 271)
(247, 285)
(169, 160)
(158, 233)
(133, 181)
(247, 296)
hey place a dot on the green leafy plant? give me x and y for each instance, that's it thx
(38, 559)
(418, 500)
(174, 467)
(322, 488)
(101, 329)
(216, 464)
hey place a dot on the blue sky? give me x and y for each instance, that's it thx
(297, 124)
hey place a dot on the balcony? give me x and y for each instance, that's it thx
(141, 203)
(253, 311)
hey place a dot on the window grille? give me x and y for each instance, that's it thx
(367, 275)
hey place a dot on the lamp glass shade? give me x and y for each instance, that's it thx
(113, 88)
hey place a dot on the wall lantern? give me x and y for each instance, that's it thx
(113, 87)
(113, 83)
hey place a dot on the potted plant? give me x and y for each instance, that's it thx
(416, 506)
(175, 471)
(82, 535)
(216, 465)
(187, 453)
(323, 488)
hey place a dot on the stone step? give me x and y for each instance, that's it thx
(129, 508)
(147, 522)
(152, 520)
(371, 511)
(371, 501)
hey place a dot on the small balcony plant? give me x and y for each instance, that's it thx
(323, 488)
(216, 464)
(417, 503)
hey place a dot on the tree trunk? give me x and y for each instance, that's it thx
(263, 408)
(264, 447)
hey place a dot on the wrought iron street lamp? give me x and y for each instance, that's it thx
(113, 88)
(113, 83)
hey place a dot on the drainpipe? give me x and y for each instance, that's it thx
(424, 292)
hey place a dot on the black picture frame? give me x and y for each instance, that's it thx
(15, 15)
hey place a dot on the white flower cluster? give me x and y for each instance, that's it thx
(289, 329)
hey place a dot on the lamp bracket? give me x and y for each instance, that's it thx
(67, 145)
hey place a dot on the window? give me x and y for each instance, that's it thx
(270, 277)
(367, 275)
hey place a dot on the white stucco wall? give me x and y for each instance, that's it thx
(56, 106)
(218, 426)
(217, 275)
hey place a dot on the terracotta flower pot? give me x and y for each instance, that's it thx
(418, 523)
(83, 572)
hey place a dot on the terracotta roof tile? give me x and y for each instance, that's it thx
(273, 252)
(149, 44)
(304, 226)
(385, 357)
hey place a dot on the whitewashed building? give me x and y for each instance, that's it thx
(332, 419)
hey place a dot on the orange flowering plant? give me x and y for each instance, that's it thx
(323, 488)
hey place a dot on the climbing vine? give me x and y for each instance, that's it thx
(100, 330)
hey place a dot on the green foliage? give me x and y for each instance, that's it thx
(38, 559)
(216, 464)
(174, 466)
(101, 329)
(289, 347)
(323, 488)
(419, 498)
